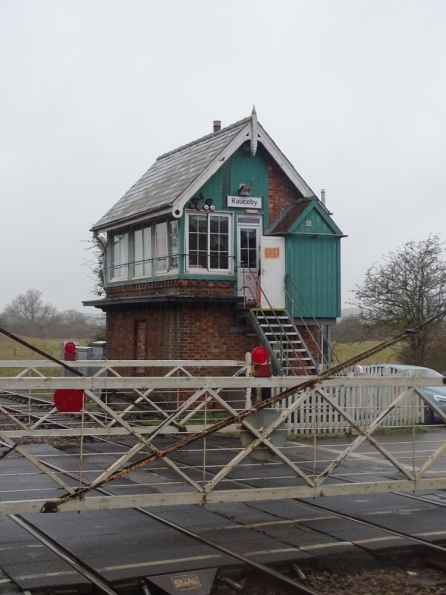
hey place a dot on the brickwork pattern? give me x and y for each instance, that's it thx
(280, 191)
(174, 287)
(312, 339)
(179, 331)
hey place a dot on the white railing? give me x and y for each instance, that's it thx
(203, 404)
(362, 394)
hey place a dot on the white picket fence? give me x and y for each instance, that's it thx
(357, 395)
(362, 403)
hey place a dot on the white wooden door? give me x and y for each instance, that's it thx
(273, 272)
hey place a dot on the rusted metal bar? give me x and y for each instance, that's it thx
(52, 505)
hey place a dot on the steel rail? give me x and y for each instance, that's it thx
(420, 499)
(348, 517)
(33, 402)
(19, 397)
(51, 506)
(367, 523)
(60, 551)
(407, 536)
(286, 584)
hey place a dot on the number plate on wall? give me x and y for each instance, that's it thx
(272, 252)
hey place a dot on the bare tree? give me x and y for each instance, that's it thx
(348, 330)
(28, 313)
(408, 288)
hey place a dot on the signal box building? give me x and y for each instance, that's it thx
(220, 247)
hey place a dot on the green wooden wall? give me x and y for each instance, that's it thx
(313, 262)
(241, 168)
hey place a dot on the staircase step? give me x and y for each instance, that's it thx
(282, 338)
(284, 341)
(290, 345)
(287, 346)
(285, 335)
(296, 359)
(276, 318)
(276, 325)
(279, 319)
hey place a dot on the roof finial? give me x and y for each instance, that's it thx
(254, 131)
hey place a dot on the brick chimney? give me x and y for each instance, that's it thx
(217, 125)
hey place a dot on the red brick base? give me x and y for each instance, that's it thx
(188, 330)
(184, 331)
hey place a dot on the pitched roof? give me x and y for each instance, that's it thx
(288, 216)
(296, 210)
(175, 176)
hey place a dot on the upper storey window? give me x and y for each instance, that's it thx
(209, 242)
(144, 250)
(166, 246)
(119, 256)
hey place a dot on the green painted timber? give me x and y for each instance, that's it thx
(314, 264)
(241, 168)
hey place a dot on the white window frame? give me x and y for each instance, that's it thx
(167, 260)
(208, 270)
(122, 266)
(153, 264)
(145, 260)
(161, 255)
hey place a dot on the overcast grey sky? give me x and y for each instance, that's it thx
(352, 91)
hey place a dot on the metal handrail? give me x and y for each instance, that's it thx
(294, 310)
(283, 333)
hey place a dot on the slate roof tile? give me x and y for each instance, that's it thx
(289, 216)
(169, 176)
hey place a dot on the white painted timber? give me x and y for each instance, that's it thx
(221, 496)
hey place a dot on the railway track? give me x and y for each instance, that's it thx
(42, 413)
(35, 408)
(284, 584)
(35, 411)
(273, 578)
(276, 580)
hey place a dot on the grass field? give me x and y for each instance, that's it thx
(344, 351)
(9, 349)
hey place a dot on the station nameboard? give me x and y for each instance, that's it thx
(245, 202)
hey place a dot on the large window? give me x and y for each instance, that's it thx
(209, 242)
(138, 252)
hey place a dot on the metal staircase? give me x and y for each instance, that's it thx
(280, 336)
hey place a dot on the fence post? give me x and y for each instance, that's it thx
(248, 373)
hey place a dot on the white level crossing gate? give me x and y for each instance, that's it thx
(164, 426)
